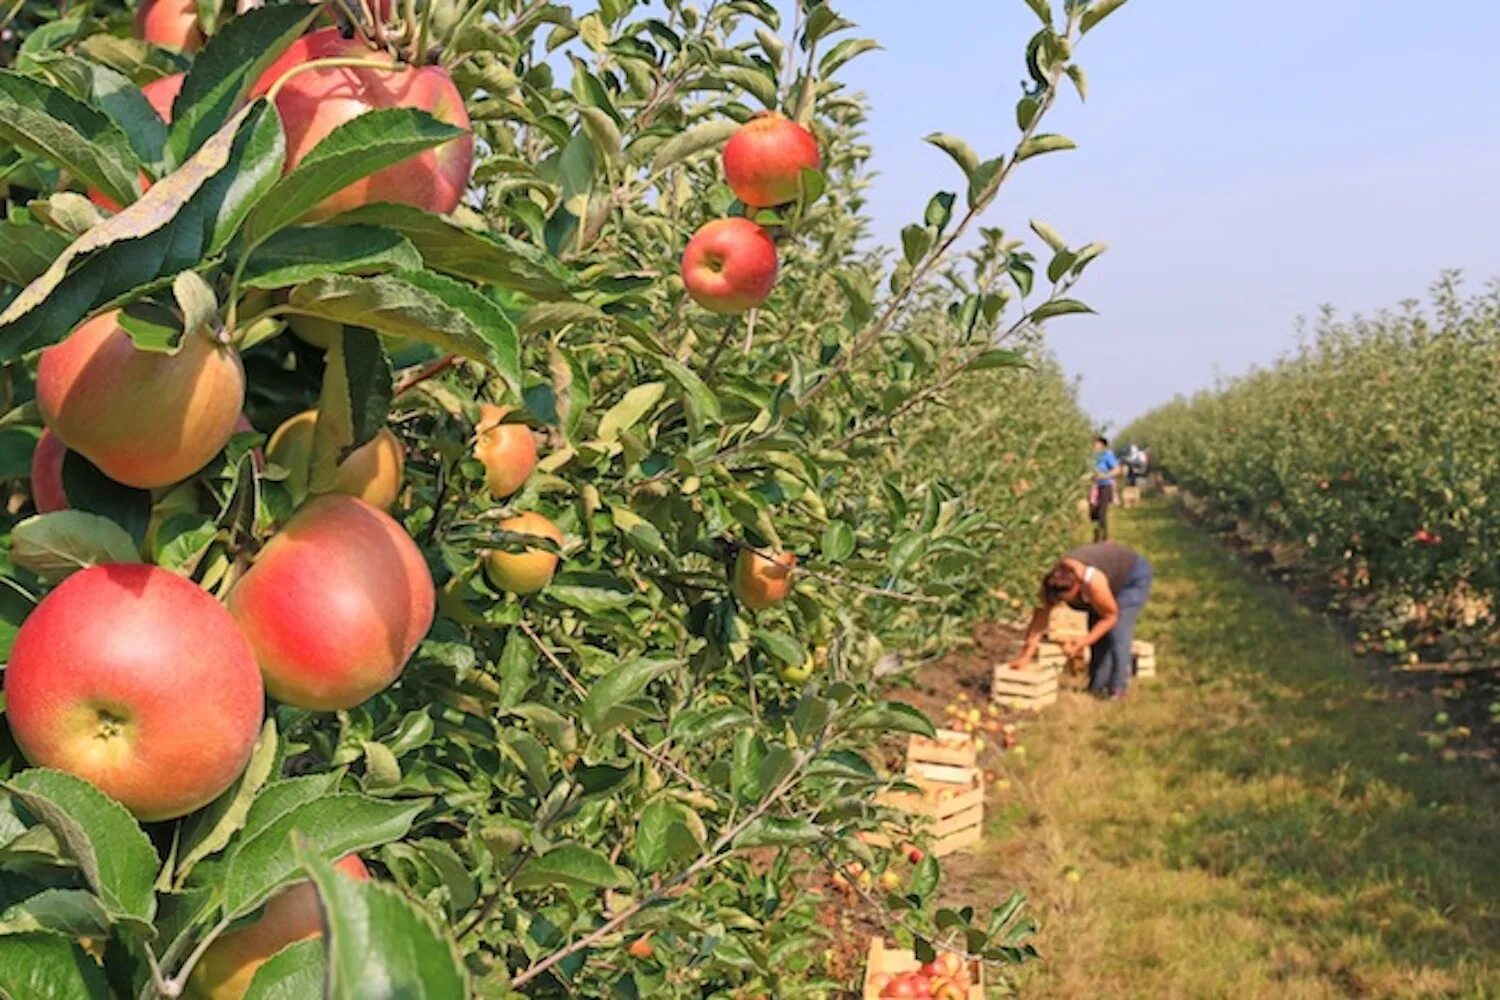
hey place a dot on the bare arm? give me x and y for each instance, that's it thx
(1034, 630)
(1102, 600)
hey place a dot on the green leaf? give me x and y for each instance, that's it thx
(634, 405)
(423, 306)
(1042, 9)
(91, 491)
(709, 135)
(915, 242)
(1044, 143)
(641, 533)
(488, 258)
(73, 912)
(68, 134)
(572, 865)
(758, 83)
(379, 943)
(1080, 81)
(42, 966)
(54, 545)
(961, 152)
(1058, 307)
(113, 93)
(1049, 235)
(546, 316)
(1098, 12)
(837, 543)
(28, 250)
(695, 725)
(108, 844)
(303, 253)
(334, 825)
(278, 798)
(181, 541)
(843, 52)
(601, 708)
(359, 147)
(781, 646)
(296, 972)
(892, 717)
(998, 357)
(984, 175)
(223, 74)
(666, 832)
(779, 831)
(209, 830)
(698, 399)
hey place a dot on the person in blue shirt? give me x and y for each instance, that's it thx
(1106, 470)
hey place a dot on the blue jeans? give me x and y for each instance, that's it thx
(1110, 660)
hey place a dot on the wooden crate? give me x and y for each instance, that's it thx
(951, 757)
(883, 958)
(1025, 689)
(1130, 496)
(949, 800)
(1066, 623)
(1143, 658)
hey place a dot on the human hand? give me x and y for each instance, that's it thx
(1073, 648)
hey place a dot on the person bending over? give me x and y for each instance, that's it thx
(1111, 582)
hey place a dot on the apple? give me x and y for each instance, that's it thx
(314, 102)
(46, 473)
(160, 94)
(914, 854)
(529, 571)
(145, 418)
(794, 674)
(372, 472)
(138, 681)
(641, 947)
(979, 744)
(729, 266)
(761, 581)
(890, 881)
(764, 160)
(170, 24)
(507, 451)
(293, 914)
(335, 604)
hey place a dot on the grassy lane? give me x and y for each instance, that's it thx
(1242, 826)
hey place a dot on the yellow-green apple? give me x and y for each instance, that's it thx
(46, 473)
(313, 102)
(293, 914)
(764, 160)
(528, 571)
(507, 451)
(371, 472)
(796, 674)
(138, 681)
(145, 418)
(335, 604)
(761, 581)
(171, 24)
(729, 266)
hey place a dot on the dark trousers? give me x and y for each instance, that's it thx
(1109, 659)
(1100, 513)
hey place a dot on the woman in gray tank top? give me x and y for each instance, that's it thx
(1111, 582)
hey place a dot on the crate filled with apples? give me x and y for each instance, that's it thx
(896, 972)
(970, 730)
(949, 798)
(1067, 623)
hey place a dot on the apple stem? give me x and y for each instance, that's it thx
(174, 986)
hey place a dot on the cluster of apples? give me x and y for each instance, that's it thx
(730, 264)
(970, 719)
(944, 978)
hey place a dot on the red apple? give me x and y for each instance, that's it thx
(372, 472)
(729, 266)
(293, 914)
(761, 581)
(314, 102)
(160, 94)
(46, 473)
(764, 160)
(529, 571)
(507, 451)
(641, 947)
(135, 679)
(171, 24)
(335, 604)
(145, 418)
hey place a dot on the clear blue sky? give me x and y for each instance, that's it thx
(1246, 160)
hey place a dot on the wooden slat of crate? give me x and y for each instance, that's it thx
(882, 958)
(1066, 623)
(1140, 647)
(950, 774)
(919, 748)
(926, 803)
(1145, 666)
(1024, 688)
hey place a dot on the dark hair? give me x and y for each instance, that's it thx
(1059, 581)
(1102, 440)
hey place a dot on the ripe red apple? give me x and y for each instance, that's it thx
(314, 102)
(145, 418)
(293, 914)
(764, 160)
(529, 571)
(761, 581)
(160, 94)
(335, 604)
(46, 473)
(135, 679)
(641, 947)
(507, 451)
(372, 472)
(171, 24)
(729, 266)
(914, 855)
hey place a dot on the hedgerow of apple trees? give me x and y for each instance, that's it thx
(1367, 461)
(624, 783)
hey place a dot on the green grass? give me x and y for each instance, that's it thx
(1242, 824)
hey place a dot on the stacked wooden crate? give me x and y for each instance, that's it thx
(885, 962)
(1067, 623)
(950, 790)
(1027, 689)
(1143, 658)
